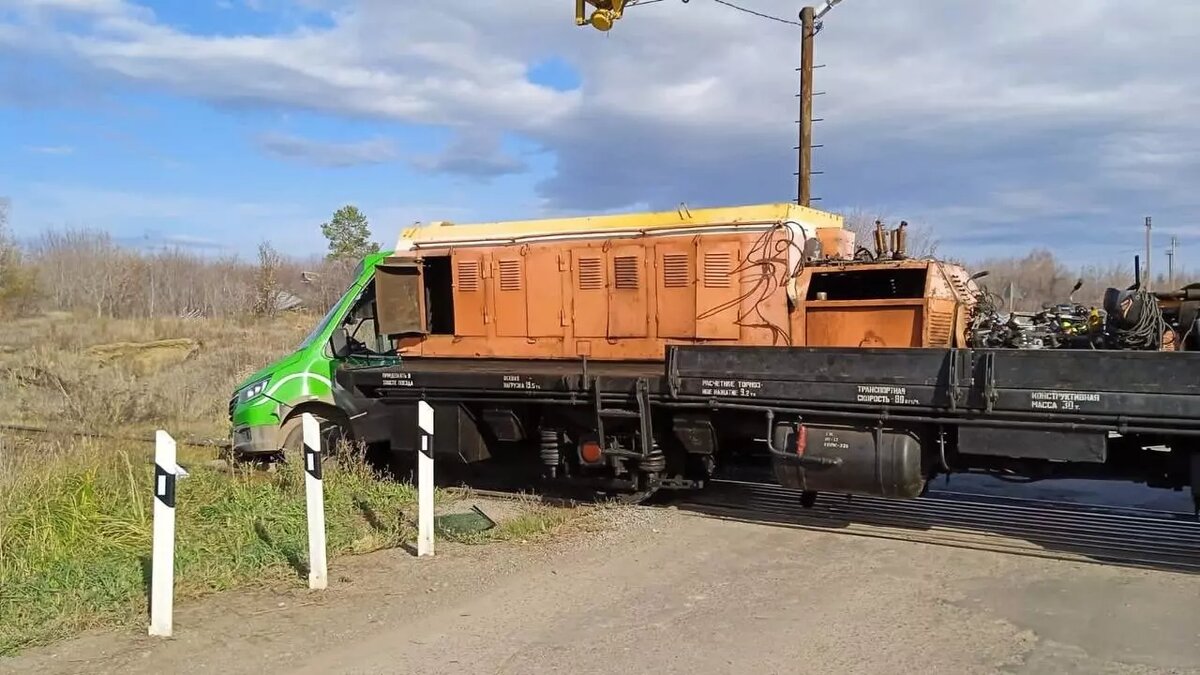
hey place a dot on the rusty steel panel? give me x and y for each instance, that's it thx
(675, 291)
(718, 290)
(399, 301)
(509, 291)
(836, 244)
(544, 307)
(854, 324)
(628, 314)
(939, 324)
(589, 292)
(469, 297)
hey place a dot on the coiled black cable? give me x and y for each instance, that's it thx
(1147, 332)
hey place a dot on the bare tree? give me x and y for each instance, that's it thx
(266, 281)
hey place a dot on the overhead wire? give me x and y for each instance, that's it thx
(760, 15)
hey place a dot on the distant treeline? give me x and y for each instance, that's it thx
(85, 271)
(1031, 280)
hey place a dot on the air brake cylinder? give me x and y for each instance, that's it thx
(876, 462)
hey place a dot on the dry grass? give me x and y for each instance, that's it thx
(48, 376)
(75, 513)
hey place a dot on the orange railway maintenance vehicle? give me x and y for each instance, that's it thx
(631, 353)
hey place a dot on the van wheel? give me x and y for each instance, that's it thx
(334, 431)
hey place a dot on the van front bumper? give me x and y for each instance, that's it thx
(256, 440)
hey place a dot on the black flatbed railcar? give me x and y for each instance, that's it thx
(870, 421)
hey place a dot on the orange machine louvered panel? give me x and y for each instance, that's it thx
(676, 291)
(627, 306)
(764, 301)
(718, 290)
(544, 306)
(469, 305)
(508, 293)
(589, 292)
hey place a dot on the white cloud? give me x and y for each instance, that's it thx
(971, 112)
(198, 221)
(326, 153)
(476, 155)
(51, 149)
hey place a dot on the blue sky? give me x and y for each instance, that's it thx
(217, 124)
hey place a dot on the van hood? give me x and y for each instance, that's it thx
(285, 363)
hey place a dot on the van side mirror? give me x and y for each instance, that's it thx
(339, 343)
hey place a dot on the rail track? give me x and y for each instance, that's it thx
(1163, 540)
(1029, 527)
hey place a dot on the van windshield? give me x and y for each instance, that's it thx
(325, 320)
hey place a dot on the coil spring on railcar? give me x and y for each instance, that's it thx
(549, 450)
(655, 462)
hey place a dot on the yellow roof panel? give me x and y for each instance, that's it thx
(448, 233)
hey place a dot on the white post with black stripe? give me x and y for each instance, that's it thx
(425, 480)
(162, 579)
(318, 571)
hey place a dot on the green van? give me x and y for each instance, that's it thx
(265, 409)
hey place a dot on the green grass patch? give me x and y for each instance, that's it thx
(75, 535)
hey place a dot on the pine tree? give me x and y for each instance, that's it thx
(349, 235)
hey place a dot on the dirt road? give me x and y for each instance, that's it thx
(670, 592)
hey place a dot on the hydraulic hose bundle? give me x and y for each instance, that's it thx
(1135, 319)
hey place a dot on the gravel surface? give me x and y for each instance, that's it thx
(657, 590)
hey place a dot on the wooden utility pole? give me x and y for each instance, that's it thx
(808, 25)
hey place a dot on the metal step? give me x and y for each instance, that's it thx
(625, 414)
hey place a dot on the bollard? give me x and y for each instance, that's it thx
(162, 580)
(318, 572)
(425, 480)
